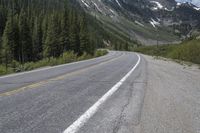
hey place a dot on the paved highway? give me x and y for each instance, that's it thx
(49, 100)
(122, 92)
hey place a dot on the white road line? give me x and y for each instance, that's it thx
(48, 68)
(92, 110)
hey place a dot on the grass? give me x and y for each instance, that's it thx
(188, 50)
(67, 57)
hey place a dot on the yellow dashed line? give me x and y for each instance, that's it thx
(38, 84)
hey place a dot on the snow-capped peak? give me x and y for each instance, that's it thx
(194, 2)
(197, 8)
(158, 5)
(190, 4)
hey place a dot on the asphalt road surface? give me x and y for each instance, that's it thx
(121, 92)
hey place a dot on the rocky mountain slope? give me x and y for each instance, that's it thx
(147, 21)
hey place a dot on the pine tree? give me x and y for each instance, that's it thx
(51, 46)
(37, 40)
(9, 40)
(84, 39)
(26, 50)
(126, 46)
(64, 35)
(44, 30)
(2, 19)
(32, 29)
(73, 32)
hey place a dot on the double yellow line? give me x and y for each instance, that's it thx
(39, 84)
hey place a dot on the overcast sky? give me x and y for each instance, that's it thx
(195, 2)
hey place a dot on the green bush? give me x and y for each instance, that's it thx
(3, 70)
(84, 56)
(187, 51)
(101, 52)
(66, 57)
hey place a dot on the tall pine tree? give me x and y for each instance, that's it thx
(10, 40)
(37, 39)
(84, 39)
(51, 47)
(26, 50)
(64, 35)
(73, 32)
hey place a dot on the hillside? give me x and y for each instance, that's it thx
(188, 50)
(146, 21)
(36, 31)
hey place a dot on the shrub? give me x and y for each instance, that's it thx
(101, 52)
(66, 57)
(188, 50)
(3, 70)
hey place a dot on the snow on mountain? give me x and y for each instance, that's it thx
(154, 23)
(138, 23)
(189, 4)
(197, 8)
(195, 2)
(83, 1)
(137, 18)
(158, 5)
(118, 3)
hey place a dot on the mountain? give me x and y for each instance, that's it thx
(145, 21)
(195, 2)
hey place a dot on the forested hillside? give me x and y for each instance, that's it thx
(31, 30)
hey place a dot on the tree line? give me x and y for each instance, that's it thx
(31, 30)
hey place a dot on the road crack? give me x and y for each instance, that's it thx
(120, 120)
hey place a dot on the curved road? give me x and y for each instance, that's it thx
(49, 100)
(121, 92)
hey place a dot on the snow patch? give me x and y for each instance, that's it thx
(178, 4)
(97, 7)
(170, 10)
(139, 23)
(154, 23)
(197, 8)
(112, 11)
(118, 3)
(83, 1)
(158, 5)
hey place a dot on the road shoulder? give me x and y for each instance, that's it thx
(172, 98)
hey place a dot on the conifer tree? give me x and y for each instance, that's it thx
(73, 32)
(84, 39)
(37, 40)
(9, 40)
(126, 46)
(64, 35)
(31, 30)
(26, 50)
(51, 43)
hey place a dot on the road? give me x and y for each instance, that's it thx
(121, 92)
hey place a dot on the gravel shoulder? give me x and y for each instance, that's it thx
(172, 99)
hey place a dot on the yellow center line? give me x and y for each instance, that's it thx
(39, 84)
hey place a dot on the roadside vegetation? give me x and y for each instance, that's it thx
(37, 33)
(189, 50)
(66, 57)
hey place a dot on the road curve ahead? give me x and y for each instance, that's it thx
(76, 97)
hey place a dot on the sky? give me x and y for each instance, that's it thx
(195, 2)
